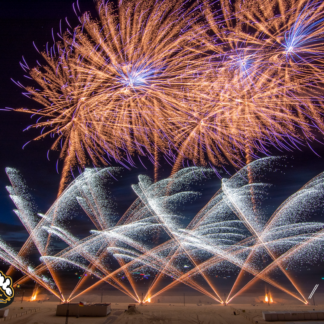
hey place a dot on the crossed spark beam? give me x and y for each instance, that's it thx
(152, 209)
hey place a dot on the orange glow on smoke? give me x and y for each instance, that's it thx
(266, 298)
(35, 293)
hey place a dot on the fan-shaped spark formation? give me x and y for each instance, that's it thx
(231, 233)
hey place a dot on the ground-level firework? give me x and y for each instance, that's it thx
(153, 239)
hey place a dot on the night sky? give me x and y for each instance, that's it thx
(25, 21)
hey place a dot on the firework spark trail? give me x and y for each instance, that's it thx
(290, 253)
(8, 255)
(23, 202)
(218, 259)
(157, 262)
(65, 257)
(217, 234)
(158, 265)
(27, 213)
(187, 82)
(53, 211)
(253, 35)
(315, 226)
(100, 213)
(87, 254)
(98, 260)
(126, 227)
(126, 268)
(66, 254)
(161, 213)
(146, 196)
(277, 226)
(85, 249)
(53, 216)
(254, 228)
(186, 171)
(127, 217)
(192, 225)
(97, 263)
(83, 188)
(114, 83)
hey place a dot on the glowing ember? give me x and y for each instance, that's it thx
(35, 293)
(34, 296)
(268, 299)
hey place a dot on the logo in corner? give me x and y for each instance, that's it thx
(7, 292)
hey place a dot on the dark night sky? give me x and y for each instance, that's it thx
(21, 23)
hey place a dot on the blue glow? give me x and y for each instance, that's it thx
(300, 34)
(243, 63)
(132, 76)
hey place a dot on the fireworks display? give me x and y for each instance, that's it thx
(232, 233)
(208, 83)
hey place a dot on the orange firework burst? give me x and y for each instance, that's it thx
(268, 76)
(189, 82)
(66, 112)
(113, 85)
